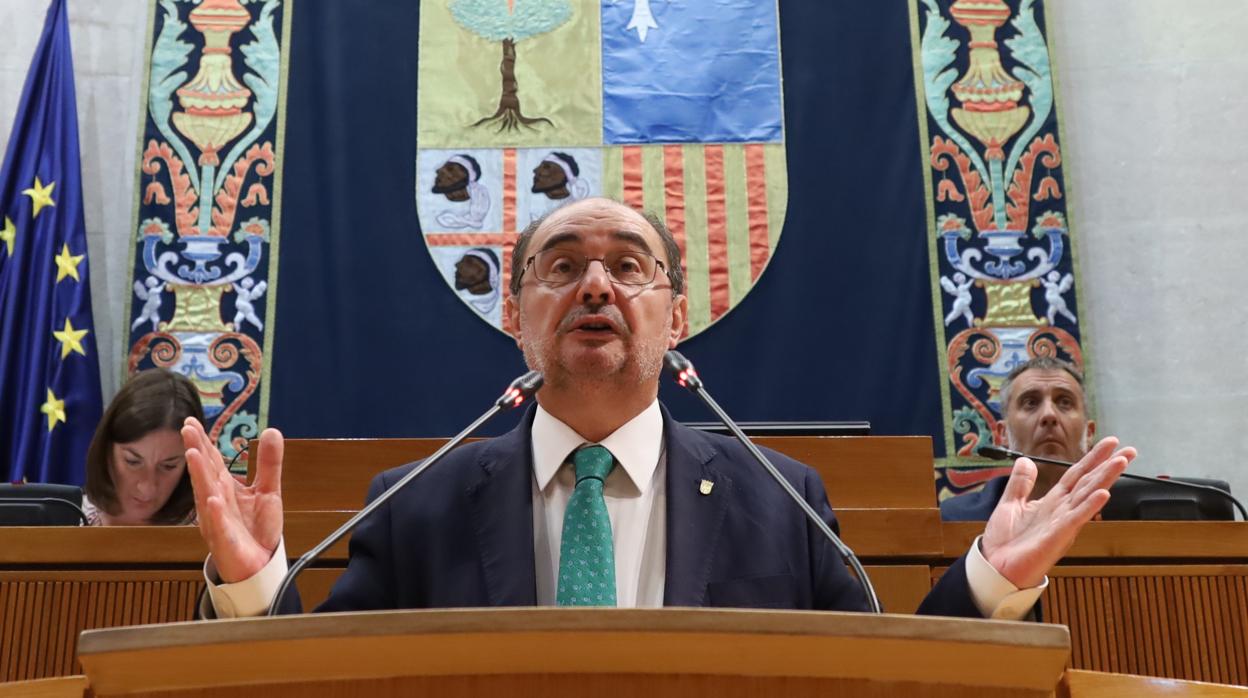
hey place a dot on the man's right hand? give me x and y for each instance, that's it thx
(242, 524)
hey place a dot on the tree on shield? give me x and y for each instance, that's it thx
(510, 21)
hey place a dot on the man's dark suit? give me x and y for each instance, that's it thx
(462, 535)
(975, 506)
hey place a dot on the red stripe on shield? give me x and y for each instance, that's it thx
(674, 196)
(632, 177)
(509, 224)
(716, 230)
(464, 239)
(756, 202)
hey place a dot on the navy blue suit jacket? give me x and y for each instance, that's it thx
(462, 535)
(975, 506)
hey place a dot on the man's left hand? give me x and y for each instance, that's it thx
(1024, 539)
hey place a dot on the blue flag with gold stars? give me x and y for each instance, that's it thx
(49, 368)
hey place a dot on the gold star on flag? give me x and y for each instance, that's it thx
(55, 409)
(40, 196)
(67, 264)
(8, 234)
(70, 339)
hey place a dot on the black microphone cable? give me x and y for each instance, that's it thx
(998, 453)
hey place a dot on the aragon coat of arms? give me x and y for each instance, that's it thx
(675, 107)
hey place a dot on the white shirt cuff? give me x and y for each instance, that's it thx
(250, 597)
(994, 595)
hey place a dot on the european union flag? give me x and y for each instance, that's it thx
(49, 368)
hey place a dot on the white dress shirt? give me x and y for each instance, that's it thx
(635, 494)
(635, 491)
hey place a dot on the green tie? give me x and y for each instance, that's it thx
(586, 553)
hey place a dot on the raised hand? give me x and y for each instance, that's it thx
(241, 523)
(1024, 539)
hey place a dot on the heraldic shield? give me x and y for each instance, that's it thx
(674, 107)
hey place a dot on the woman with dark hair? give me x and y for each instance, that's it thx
(136, 465)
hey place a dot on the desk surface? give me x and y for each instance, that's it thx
(1136, 541)
(1139, 541)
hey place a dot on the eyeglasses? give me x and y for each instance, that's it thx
(559, 267)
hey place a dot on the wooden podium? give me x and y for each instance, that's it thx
(566, 652)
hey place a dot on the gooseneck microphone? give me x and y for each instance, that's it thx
(998, 453)
(681, 369)
(520, 390)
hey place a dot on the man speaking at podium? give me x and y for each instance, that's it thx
(599, 497)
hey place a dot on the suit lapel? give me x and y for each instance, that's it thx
(501, 501)
(694, 519)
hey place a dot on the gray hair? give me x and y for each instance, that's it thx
(1039, 363)
(672, 265)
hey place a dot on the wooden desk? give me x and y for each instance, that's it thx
(1135, 542)
(60, 687)
(860, 472)
(880, 486)
(1090, 684)
(1162, 599)
(56, 582)
(1166, 599)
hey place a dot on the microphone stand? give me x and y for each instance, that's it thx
(682, 370)
(521, 389)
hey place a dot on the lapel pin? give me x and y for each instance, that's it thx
(705, 487)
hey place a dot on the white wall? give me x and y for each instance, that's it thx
(1154, 99)
(107, 38)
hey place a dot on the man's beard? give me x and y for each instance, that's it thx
(644, 356)
(1083, 442)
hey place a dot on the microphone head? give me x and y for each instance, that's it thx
(675, 361)
(520, 390)
(994, 453)
(681, 370)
